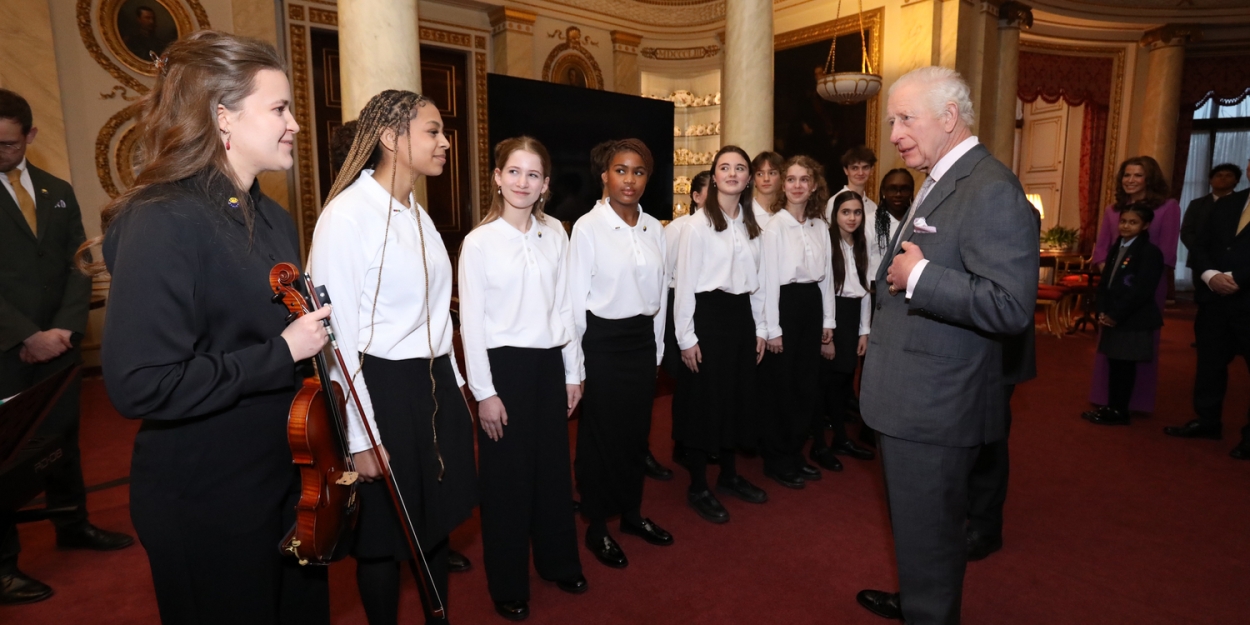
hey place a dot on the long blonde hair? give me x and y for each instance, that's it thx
(502, 152)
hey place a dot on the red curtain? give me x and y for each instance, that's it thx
(1223, 78)
(1093, 157)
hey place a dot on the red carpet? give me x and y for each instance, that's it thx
(1103, 525)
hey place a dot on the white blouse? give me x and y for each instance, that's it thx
(853, 289)
(875, 253)
(346, 257)
(513, 293)
(672, 243)
(616, 271)
(796, 253)
(762, 216)
(708, 260)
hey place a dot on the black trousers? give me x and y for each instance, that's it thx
(789, 380)
(1222, 332)
(63, 486)
(927, 490)
(527, 490)
(987, 486)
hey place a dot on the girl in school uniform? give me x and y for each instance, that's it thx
(672, 353)
(524, 367)
(719, 318)
(617, 286)
(1127, 311)
(798, 308)
(853, 311)
(379, 256)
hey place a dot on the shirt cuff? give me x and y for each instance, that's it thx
(1207, 275)
(914, 278)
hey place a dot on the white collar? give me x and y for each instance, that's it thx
(379, 193)
(948, 161)
(1128, 242)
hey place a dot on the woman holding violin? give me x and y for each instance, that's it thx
(194, 346)
(379, 255)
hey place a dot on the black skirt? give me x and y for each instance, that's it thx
(790, 380)
(616, 414)
(723, 412)
(846, 335)
(402, 406)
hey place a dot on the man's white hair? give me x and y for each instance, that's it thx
(940, 86)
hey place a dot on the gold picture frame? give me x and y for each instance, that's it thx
(135, 30)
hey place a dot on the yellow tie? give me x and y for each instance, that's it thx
(1245, 218)
(24, 201)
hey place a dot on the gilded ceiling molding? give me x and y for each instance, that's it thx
(302, 84)
(435, 35)
(1015, 15)
(571, 56)
(654, 13)
(104, 140)
(506, 18)
(680, 54)
(323, 17)
(483, 133)
(1170, 35)
(625, 42)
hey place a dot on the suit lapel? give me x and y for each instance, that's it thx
(43, 201)
(9, 206)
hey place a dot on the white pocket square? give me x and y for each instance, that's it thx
(920, 226)
(60, 204)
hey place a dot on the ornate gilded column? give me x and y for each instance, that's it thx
(747, 79)
(379, 49)
(1161, 108)
(627, 77)
(1012, 16)
(512, 41)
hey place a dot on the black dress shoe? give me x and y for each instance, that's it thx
(1110, 416)
(849, 448)
(980, 546)
(513, 610)
(1241, 452)
(91, 537)
(708, 506)
(648, 531)
(607, 551)
(573, 585)
(457, 562)
(810, 473)
(826, 459)
(882, 603)
(789, 479)
(17, 587)
(657, 471)
(1090, 414)
(1195, 429)
(742, 489)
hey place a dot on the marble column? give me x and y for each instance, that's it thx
(28, 67)
(379, 49)
(1012, 16)
(512, 41)
(1161, 107)
(628, 78)
(747, 78)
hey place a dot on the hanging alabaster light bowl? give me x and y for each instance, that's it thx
(849, 87)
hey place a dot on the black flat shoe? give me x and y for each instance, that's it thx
(91, 537)
(1195, 429)
(1110, 416)
(980, 546)
(742, 489)
(573, 586)
(1090, 414)
(789, 479)
(849, 448)
(457, 562)
(17, 588)
(648, 531)
(882, 603)
(513, 610)
(810, 473)
(707, 506)
(826, 459)
(1241, 452)
(657, 471)
(607, 551)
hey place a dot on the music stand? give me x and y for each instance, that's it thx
(20, 447)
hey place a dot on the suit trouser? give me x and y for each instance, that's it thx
(987, 486)
(1222, 332)
(927, 490)
(63, 486)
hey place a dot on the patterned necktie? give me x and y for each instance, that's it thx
(24, 201)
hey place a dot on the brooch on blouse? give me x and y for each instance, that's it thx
(233, 202)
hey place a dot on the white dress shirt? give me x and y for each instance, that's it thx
(346, 257)
(672, 242)
(26, 183)
(940, 168)
(852, 288)
(762, 216)
(513, 293)
(618, 272)
(708, 260)
(796, 253)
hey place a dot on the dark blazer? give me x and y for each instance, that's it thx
(935, 370)
(1195, 221)
(1129, 299)
(40, 288)
(1221, 248)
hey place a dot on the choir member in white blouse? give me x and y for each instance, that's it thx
(524, 366)
(672, 353)
(798, 309)
(617, 284)
(382, 261)
(853, 309)
(719, 318)
(766, 181)
(897, 188)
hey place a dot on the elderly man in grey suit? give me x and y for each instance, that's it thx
(962, 279)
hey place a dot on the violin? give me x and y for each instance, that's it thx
(317, 433)
(281, 278)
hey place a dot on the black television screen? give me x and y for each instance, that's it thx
(570, 121)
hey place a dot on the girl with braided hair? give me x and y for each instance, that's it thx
(380, 257)
(897, 189)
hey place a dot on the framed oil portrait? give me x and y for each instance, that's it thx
(570, 63)
(136, 31)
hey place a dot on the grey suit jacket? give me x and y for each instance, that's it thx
(40, 288)
(935, 369)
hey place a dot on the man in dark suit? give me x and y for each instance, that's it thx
(1220, 259)
(962, 277)
(1224, 178)
(44, 302)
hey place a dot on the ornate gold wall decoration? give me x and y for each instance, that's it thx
(119, 90)
(479, 42)
(307, 199)
(104, 140)
(295, 11)
(326, 18)
(435, 35)
(483, 132)
(570, 63)
(680, 54)
(118, 25)
(126, 156)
